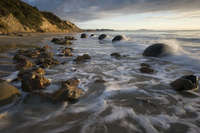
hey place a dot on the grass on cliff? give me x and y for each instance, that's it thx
(26, 14)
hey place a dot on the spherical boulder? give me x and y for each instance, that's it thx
(157, 50)
(185, 83)
(83, 35)
(102, 36)
(118, 38)
(7, 92)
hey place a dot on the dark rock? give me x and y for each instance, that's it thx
(157, 50)
(83, 35)
(33, 80)
(116, 55)
(61, 41)
(145, 69)
(47, 62)
(144, 65)
(91, 35)
(186, 83)
(118, 38)
(66, 52)
(69, 91)
(7, 92)
(70, 38)
(102, 36)
(82, 58)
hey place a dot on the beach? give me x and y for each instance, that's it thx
(118, 96)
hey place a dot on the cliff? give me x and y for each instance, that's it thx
(18, 16)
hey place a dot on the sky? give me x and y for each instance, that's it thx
(126, 14)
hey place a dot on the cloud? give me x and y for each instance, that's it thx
(85, 10)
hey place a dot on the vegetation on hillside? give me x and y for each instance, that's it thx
(28, 15)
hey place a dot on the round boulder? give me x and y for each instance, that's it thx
(118, 38)
(157, 50)
(7, 92)
(102, 36)
(83, 35)
(185, 83)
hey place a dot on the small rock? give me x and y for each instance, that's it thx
(82, 58)
(91, 35)
(144, 65)
(102, 36)
(70, 38)
(83, 35)
(47, 62)
(185, 83)
(116, 55)
(148, 70)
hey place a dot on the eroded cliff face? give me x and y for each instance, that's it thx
(17, 16)
(11, 24)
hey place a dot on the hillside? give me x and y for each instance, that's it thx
(18, 16)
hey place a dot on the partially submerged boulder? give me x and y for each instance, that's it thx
(102, 36)
(22, 62)
(7, 92)
(33, 79)
(83, 35)
(116, 55)
(157, 50)
(118, 38)
(70, 38)
(69, 91)
(47, 62)
(61, 41)
(82, 58)
(185, 83)
(66, 52)
(146, 68)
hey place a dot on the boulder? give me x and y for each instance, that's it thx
(157, 50)
(61, 41)
(118, 38)
(47, 62)
(70, 38)
(69, 91)
(33, 80)
(83, 35)
(146, 68)
(23, 63)
(82, 58)
(91, 35)
(116, 55)
(102, 36)
(7, 92)
(185, 83)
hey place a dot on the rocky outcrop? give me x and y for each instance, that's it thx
(185, 83)
(157, 50)
(7, 92)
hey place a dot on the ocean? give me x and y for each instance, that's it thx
(128, 101)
